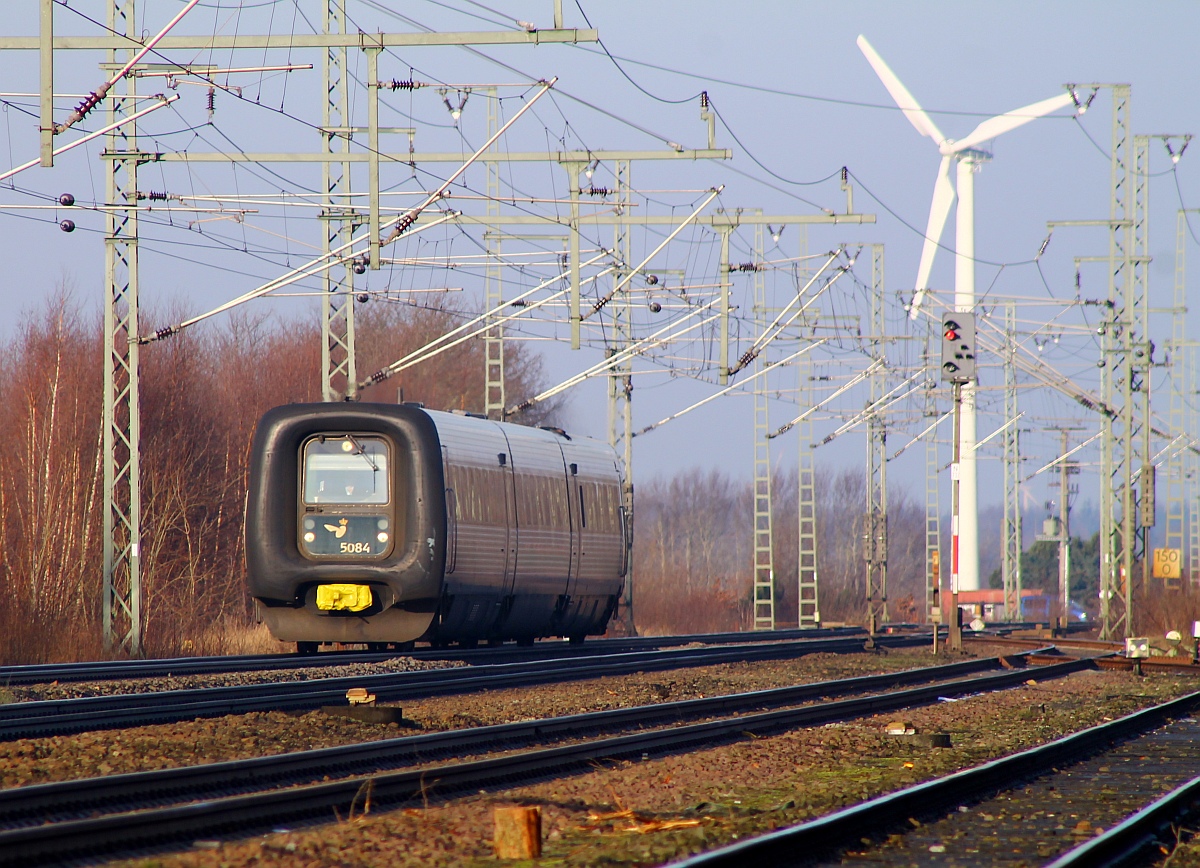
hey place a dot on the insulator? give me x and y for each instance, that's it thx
(652, 279)
(655, 307)
(396, 84)
(66, 200)
(363, 297)
(596, 191)
(359, 267)
(518, 302)
(845, 174)
(67, 226)
(749, 266)
(89, 103)
(212, 101)
(704, 100)
(164, 332)
(405, 223)
(156, 197)
(377, 377)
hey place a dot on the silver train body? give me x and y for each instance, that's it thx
(380, 523)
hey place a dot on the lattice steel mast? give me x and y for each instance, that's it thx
(122, 590)
(1010, 529)
(620, 381)
(339, 380)
(875, 530)
(493, 278)
(807, 576)
(1181, 510)
(933, 516)
(764, 538)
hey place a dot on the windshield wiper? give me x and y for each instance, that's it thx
(363, 452)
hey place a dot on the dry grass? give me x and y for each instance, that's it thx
(229, 638)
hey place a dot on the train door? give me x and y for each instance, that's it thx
(512, 532)
(573, 502)
(451, 532)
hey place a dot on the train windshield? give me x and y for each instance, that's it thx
(346, 470)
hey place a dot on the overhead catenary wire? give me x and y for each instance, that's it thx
(164, 101)
(324, 262)
(732, 386)
(459, 333)
(854, 381)
(635, 348)
(873, 409)
(228, 234)
(94, 99)
(777, 328)
(403, 224)
(607, 297)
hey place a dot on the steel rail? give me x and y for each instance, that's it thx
(64, 799)
(103, 670)
(934, 797)
(1129, 841)
(1101, 645)
(156, 829)
(55, 716)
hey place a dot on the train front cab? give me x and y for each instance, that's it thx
(345, 526)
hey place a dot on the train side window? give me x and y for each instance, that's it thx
(582, 509)
(346, 469)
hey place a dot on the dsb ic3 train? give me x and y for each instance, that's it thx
(382, 523)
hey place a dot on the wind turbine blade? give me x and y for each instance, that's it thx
(939, 210)
(911, 108)
(993, 127)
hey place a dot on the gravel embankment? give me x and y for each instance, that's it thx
(76, 690)
(656, 811)
(643, 813)
(41, 760)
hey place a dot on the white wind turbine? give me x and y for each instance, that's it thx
(969, 157)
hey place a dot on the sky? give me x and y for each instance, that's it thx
(795, 101)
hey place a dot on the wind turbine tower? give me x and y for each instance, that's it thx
(969, 157)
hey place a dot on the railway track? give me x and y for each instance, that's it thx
(1077, 642)
(1011, 811)
(291, 797)
(106, 670)
(50, 717)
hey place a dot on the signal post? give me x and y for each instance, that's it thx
(958, 368)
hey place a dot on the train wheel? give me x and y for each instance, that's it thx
(468, 644)
(576, 640)
(377, 646)
(306, 649)
(525, 641)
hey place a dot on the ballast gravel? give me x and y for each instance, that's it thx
(143, 748)
(80, 689)
(626, 814)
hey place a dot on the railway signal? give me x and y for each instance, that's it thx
(958, 347)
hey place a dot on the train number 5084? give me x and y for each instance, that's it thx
(356, 548)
